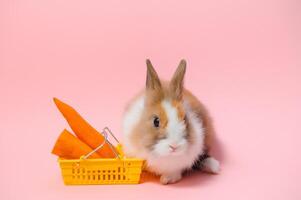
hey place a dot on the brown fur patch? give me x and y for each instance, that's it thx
(145, 135)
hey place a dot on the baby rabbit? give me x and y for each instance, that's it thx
(168, 127)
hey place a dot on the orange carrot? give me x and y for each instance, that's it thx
(83, 130)
(70, 147)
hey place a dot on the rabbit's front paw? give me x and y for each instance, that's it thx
(170, 178)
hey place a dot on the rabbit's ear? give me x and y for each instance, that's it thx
(152, 79)
(177, 81)
(154, 90)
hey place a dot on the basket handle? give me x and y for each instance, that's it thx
(105, 135)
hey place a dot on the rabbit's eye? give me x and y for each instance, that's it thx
(156, 122)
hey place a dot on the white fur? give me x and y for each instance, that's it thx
(161, 161)
(170, 177)
(175, 131)
(131, 118)
(211, 165)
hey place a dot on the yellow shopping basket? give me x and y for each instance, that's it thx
(118, 170)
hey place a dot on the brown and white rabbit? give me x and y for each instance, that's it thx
(168, 127)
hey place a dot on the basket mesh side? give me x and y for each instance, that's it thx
(105, 172)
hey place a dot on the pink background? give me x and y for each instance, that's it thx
(243, 63)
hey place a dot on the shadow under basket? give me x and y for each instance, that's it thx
(119, 170)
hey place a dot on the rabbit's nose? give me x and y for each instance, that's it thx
(173, 147)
